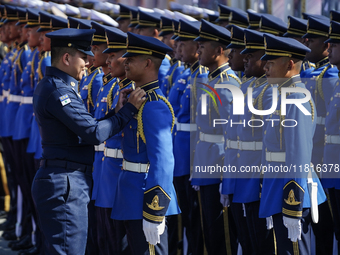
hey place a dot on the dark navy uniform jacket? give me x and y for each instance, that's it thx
(67, 130)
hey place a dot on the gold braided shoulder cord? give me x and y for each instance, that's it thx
(89, 93)
(319, 84)
(236, 78)
(170, 78)
(140, 126)
(32, 69)
(39, 68)
(110, 96)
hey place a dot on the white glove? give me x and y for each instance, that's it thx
(196, 187)
(224, 199)
(294, 228)
(269, 222)
(152, 231)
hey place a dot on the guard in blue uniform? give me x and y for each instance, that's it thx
(250, 148)
(176, 68)
(6, 67)
(113, 157)
(332, 141)
(238, 17)
(289, 196)
(109, 83)
(209, 150)
(61, 188)
(296, 29)
(20, 61)
(324, 229)
(133, 19)
(180, 98)
(224, 14)
(321, 81)
(254, 19)
(149, 25)
(145, 193)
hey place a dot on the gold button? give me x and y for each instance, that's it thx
(181, 106)
(102, 110)
(327, 113)
(22, 92)
(265, 132)
(122, 134)
(103, 158)
(97, 104)
(337, 83)
(85, 79)
(72, 84)
(102, 89)
(105, 79)
(238, 155)
(238, 138)
(311, 87)
(199, 128)
(331, 98)
(69, 45)
(226, 148)
(177, 88)
(334, 104)
(130, 127)
(305, 82)
(324, 129)
(21, 80)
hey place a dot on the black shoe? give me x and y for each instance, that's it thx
(33, 250)
(11, 243)
(24, 243)
(7, 226)
(9, 235)
(3, 214)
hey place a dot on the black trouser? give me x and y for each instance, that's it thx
(138, 243)
(243, 235)
(213, 222)
(191, 218)
(323, 230)
(334, 195)
(262, 239)
(284, 245)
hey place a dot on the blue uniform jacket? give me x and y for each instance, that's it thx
(247, 186)
(175, 70)
(67, 130)
(151, 195)
(287, 192)
(101, 109)
(34, 142)
(331, 150)
(209, 154)
(230, 159)
(163, 69)
(25, 112)
(20, 60)
(92, 82)
(321, 84)
(111, 167)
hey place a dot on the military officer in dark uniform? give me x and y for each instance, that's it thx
(62, 184)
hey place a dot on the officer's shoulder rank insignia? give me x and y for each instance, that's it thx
(291, 200)
(64, 100)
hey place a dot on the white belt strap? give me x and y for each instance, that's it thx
(250, 146)
(1, 98)
(209, 138)
(320, 120)
(27, 100)
(232, 144)
(332, 139)
(135, 167)
(5, 93)
(113, 153)
(186, 127)
(99, 147)
(14, 98)
(313, 195)
(275, 156)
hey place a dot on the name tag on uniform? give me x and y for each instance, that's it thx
(85, 87)
(64, 100)
(104, 100)
(337, 94)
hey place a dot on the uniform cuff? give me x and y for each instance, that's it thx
(293, 195)
(129, 110)
(156, 203)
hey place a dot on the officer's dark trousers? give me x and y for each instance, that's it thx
(284, 245)
(243, 235)
(262, 240)
(334, 195)
(212, 215)
(61, 197)
(137, 241)
(191, 220)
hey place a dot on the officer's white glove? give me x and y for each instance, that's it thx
(269, 222)
(196, 187)
(294, 228)
(152, 231)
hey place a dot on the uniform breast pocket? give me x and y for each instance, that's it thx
(130, 134)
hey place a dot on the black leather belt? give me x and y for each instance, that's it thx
(65, 164)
